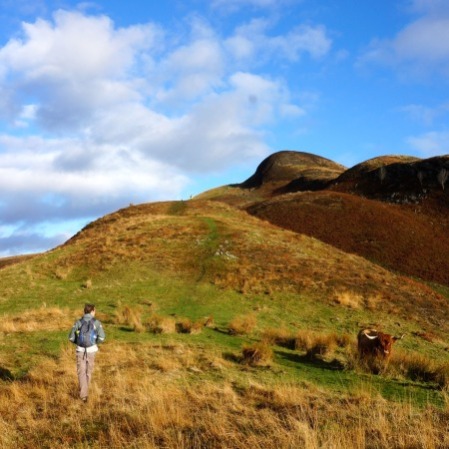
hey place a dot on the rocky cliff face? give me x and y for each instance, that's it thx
(399, 179)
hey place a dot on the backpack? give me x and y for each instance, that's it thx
(86, 334)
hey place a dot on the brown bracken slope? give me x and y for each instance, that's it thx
(393, 210)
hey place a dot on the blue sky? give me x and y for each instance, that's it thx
(107, 103)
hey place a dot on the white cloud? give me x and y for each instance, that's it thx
(69, 89)
(252, 41)
(132, 113)
(431, 143)
(95, 47)
(420, 49)
(425, 40)
(194, 69)
(73, 167)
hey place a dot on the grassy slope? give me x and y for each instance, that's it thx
(199, 259)
(393, 235)
(403, 227)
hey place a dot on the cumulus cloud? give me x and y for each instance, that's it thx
(97, 116)
(430, 144)
(419, 49)
(68, 90)
(192, 69)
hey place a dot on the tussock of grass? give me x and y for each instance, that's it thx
(421, 368)
(242, 325)
(187, 326)
(348, 299)
(280, 337)
(158, 324)
(258, 354)
(314, 344)
(209, 321)
(130, 316)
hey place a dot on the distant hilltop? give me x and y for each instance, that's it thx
(293, 168)
(293, 171)
(393, 210)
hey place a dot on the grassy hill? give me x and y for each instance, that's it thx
(394, 236)
(393, 210)
(223, 330)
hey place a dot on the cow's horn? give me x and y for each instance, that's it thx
(399, 338)
(371, 337)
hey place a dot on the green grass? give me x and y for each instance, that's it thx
(143, 283)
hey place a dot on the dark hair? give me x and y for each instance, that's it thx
(88, 308)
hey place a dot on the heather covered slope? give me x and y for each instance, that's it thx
(394, 236)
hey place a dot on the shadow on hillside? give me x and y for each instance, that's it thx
(5, 374)
(317, 362)
(126, 329)
(230, 357)
(222, 330)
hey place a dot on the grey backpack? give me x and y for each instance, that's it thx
(86, 336)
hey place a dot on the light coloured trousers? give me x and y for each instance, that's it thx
(85, 366)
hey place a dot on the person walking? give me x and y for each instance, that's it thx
(86, 333)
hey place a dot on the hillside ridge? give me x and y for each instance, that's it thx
(391, 209)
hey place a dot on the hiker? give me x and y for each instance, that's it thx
(86, 333)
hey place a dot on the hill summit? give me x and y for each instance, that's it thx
(393, 210)
(293, 167)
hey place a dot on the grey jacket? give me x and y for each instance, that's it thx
(98, 328)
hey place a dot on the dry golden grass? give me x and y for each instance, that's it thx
(141, 397)
(158, 324)
(421, 368)
(187, 326)
(130, 316)
(43, 319)
(258, 354)
(281, 337)
(242, 325)
(349, 299)
(314, 344)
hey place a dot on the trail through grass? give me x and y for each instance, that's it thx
(183, 262)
